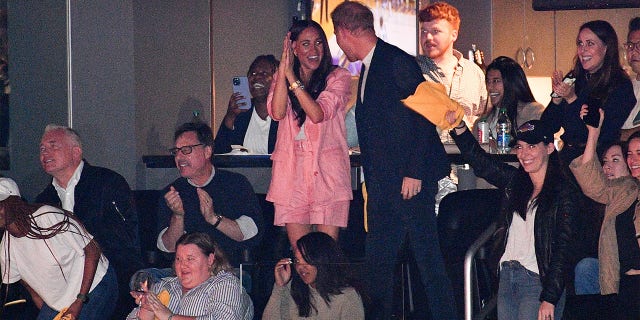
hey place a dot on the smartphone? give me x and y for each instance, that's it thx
(241, 84)
(568, 79)
(593, 115)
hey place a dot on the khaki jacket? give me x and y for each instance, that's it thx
(617, 195)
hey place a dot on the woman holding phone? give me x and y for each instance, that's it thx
(600, 81)
(311, 185)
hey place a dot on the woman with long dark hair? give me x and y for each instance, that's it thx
(600, 81)
(51, 253)
(532, 243)
(311, 185)
(508, 88)
(599, 226)
(322, 287)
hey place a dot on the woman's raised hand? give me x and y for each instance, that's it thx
(564, 90)
(592, 137)
(282, 272)
(286, 61)
(583, 112)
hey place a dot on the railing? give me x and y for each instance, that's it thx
(468, 265)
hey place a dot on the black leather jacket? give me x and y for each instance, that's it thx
(554, 217)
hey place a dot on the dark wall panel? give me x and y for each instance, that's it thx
(37, 68)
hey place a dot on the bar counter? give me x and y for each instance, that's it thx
(264, 161)
(257, 168)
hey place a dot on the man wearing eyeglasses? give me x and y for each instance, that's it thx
(99, 197)
(632, 48)
(217, 202)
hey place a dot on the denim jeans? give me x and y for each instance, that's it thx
(587, 276)
(102, 300)
(519, 293)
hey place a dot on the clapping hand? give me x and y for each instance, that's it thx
(286, 61)
(174, 202)
(206, 206)
(564, 90)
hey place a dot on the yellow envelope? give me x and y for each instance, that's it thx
(432, 102)
(60, 317)
(164, 297)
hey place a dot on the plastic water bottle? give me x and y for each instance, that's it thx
(503, 132)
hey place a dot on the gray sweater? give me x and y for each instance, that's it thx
(281, 306)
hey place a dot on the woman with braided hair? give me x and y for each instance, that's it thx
(49, 251)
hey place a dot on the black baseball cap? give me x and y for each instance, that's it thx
(533, 132)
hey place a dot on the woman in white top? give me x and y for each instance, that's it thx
(49, 251)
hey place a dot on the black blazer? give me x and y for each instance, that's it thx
(226, 137)
(395, 141)
(114, 226)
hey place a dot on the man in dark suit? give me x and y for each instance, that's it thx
(403, 159)
(251, 127)
(100, 198)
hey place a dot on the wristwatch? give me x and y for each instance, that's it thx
(83, 297)
(219, 216)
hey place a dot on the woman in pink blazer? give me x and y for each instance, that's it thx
(310, 185)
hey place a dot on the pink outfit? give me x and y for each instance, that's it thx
(316, 169)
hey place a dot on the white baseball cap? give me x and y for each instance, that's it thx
(8, 188)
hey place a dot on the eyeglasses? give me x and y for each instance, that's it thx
(630, 46)
(184, 149)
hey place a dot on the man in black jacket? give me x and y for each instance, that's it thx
(99, 197)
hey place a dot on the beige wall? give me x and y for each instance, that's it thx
(241, 30)
(182, 47)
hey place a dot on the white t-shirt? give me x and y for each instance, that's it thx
(521, 245)
(42, 263)
(256, 139)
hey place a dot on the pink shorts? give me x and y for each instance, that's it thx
(331, 214)
(302, 208)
